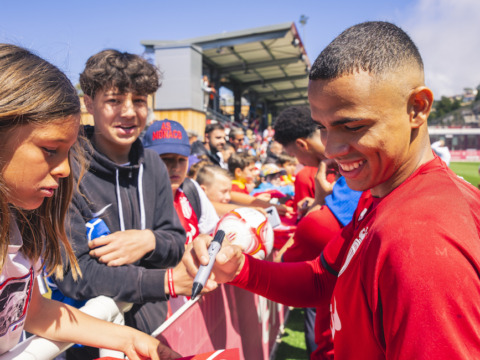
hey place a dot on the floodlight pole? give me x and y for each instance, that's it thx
(303, 21)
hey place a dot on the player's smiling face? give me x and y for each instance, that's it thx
(119, 119)
(365, 128)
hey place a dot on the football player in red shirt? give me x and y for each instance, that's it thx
(402, 278)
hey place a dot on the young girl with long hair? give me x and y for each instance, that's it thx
(39, 123)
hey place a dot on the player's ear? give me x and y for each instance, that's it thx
(88, 103)
(204, 188)
(301, 143)
(420, 104)
(238, 172)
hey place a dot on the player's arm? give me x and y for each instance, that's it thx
(59, 322)
(295, 284)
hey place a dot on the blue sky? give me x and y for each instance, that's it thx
(68, 32)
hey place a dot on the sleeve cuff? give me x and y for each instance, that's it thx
(153, 285)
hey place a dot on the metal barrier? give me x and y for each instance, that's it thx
(37, 348)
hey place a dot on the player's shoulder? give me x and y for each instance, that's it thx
(306, 172)
(434, 187)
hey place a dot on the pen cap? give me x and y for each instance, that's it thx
(219, 236)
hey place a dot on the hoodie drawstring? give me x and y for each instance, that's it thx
(140, 196)
(119, 201)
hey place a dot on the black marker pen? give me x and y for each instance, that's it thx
(204, 270)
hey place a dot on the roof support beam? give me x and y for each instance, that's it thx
(259, 65)
(289, 100)
(274, 80)
(282, 92)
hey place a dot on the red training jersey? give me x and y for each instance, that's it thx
(408, 268)
(304, 184)
(186, 214)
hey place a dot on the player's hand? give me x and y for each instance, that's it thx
(183, 279)
(122, 247)
(303, 206)
(144, 346)
(190, 263)
(323, 187)
(228, 263)
(284, 210)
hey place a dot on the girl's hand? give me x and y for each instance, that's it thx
(144, 346)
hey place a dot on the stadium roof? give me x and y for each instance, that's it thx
(267, 63)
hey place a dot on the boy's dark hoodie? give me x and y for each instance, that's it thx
(137, 195)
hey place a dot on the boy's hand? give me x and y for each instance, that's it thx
(122, 247)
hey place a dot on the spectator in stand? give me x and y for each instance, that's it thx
(208, 91)
(289, 164)
(402, 278)
(268, 133)
(274, 150)
(196, 165)
(192, 136)
(194, 168)
(442, 151)
(272, 182)
(216, 182)
(39, 124)
(213, 145)
(196, 213)
(242, 167)
(251, 146)
(227, 152)
(236, 137)
(128, 187)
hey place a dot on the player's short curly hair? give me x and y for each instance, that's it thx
(376, 47)
(121, 70)
(293, 123)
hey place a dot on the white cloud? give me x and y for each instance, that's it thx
(447, 33)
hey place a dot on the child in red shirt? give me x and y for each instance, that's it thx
(243, 169)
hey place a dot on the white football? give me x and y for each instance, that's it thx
(249, 229)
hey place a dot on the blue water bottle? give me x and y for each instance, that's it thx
(96, 228)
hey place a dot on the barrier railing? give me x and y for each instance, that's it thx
(37, 348)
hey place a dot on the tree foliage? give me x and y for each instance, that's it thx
(444, 106)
